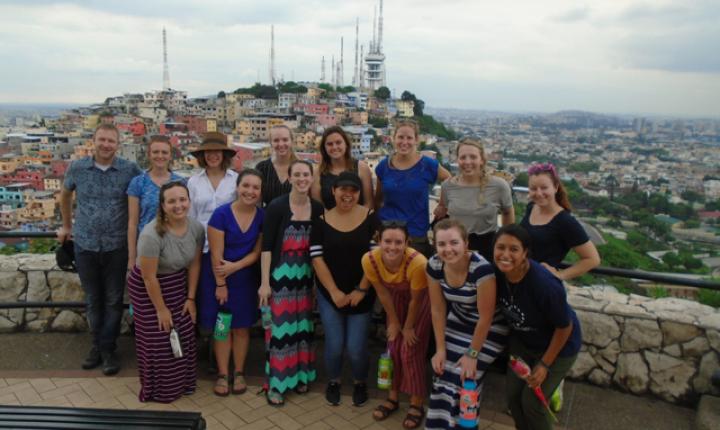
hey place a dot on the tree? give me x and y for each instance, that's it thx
(418, 105)
(292, 87)
(221, 95)
(327, 88)
(346, 89)
(383, 93)
(378, 121)
(521, 180)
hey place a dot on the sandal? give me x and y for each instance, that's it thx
(274, 398)
(239, 386)
(222, 388)
(413, 421)
(301, 388)
(385, 411)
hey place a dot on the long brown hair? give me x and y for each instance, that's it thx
(161, 217)
(325, 162)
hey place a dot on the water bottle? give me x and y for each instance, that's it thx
(222, 325)
(385, 371)
(175, 344)
(468, 405)
(266, 317)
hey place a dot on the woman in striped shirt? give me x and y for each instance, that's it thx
(469, 332)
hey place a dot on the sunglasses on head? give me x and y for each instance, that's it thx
(394, 223)
(542, 167)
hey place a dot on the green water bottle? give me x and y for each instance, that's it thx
(222, 325)
(385, 371)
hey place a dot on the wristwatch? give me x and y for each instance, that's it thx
(472, 353)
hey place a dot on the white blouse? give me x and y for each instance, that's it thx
(204, 199)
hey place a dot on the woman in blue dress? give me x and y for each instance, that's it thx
(144, 191)
(234, 236)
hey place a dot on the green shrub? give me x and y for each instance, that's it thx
(709, 297)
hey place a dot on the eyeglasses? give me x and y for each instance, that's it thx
(394, 223)
(542, 167)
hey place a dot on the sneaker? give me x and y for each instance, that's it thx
(110, 365)
(92, 360)
(332, 393)
(556, 400)
(360, 394)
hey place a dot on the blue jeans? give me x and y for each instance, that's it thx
(344, 331)
(102, 275)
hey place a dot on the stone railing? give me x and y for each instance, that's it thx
(36, 278)
(666, 347)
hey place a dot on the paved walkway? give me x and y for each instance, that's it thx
(247, 411)
(42, 369)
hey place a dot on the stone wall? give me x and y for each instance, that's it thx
(36, 278)
(666, 347)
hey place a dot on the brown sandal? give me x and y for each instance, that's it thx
(239, 379)
(222, 383)
(386, 411)
(413, 420)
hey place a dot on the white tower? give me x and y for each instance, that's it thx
(166, 70)
(375, 59)
(333, 82)
(341, 66)
(272, 55)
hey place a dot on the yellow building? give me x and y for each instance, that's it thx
(52, 184)
(8, 164)
(305, 141)
(243, 128)
(405, 108)
(8, 218)
(211, 124)
(359, 118)
(39, 206)
(90, 122)
(84, 150)
(315, 92)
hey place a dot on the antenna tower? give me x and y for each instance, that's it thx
(166, 70)
(272, 55)
(341, 65)
(332, 68)
(322, 70)
(356, 78)
(374, 38)
(361, 70)
(380, 29)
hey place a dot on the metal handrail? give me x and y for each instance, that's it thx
(661, 278)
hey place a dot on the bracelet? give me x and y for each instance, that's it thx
(222, 286)
(472, 353)
(192, 299)
(362, 290)
(542, 363)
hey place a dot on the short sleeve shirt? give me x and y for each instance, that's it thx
(173, 252)
(101, 214)
(535, 307)
(551, 242)
(406, 193)
(148, 195)
(477, 208)
(415, 270)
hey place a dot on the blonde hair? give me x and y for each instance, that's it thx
(484, 178)
(293, 156)
(407, 123)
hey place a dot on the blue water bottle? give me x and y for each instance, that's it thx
(468, 405)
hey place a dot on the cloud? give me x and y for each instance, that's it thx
(611, 56)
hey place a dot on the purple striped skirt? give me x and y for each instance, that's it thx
(163, 378)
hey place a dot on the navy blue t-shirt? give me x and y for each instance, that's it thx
(551, 242)
(535, 307)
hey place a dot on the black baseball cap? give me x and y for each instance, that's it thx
(348, 179)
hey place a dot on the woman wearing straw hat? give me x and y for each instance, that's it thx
(210, 188)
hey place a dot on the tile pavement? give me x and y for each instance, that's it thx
(249, 411)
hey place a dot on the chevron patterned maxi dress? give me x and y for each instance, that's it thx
(291, 356)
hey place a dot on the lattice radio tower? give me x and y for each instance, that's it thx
(166, 70)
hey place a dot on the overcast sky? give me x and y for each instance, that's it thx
(621, 56)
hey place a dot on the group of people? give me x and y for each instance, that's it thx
(288, 237)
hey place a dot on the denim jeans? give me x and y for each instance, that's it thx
(102, 275)
(344, 331)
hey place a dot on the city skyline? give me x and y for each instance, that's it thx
(626, 57)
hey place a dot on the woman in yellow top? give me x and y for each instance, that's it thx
(397, 272)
